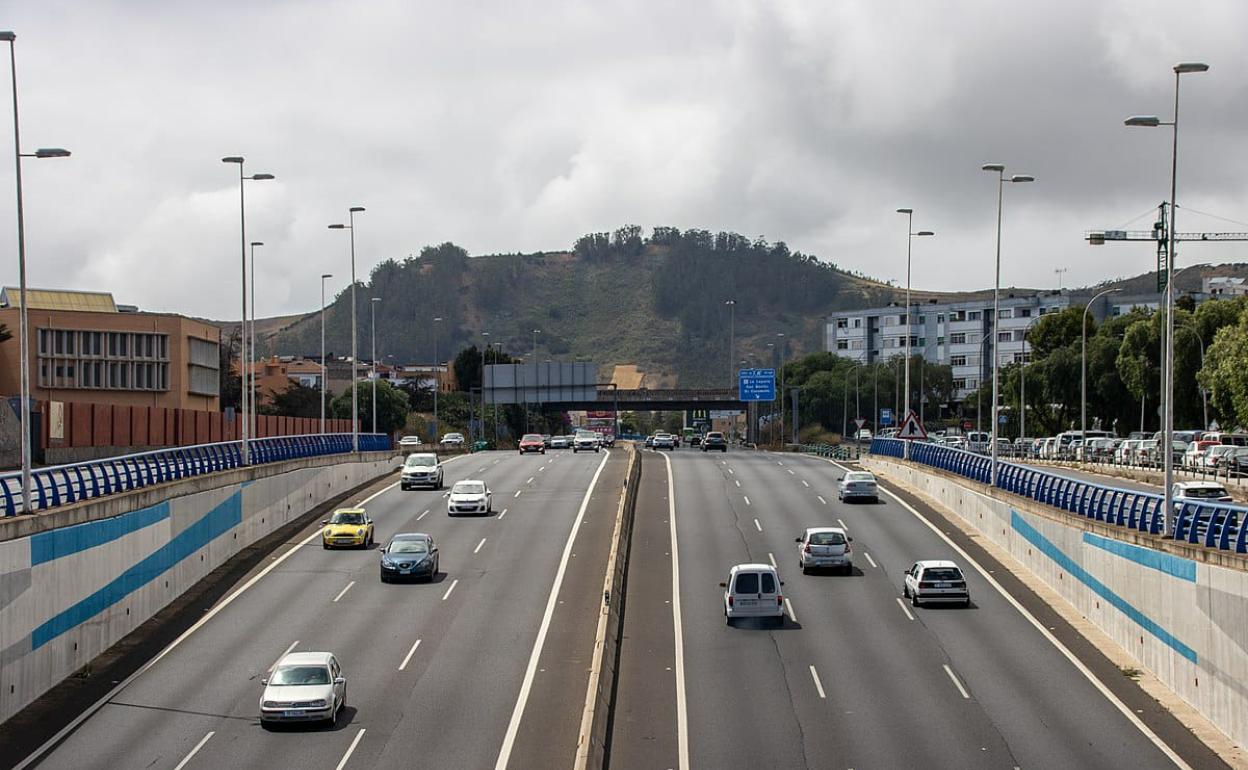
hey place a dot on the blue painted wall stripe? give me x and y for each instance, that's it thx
(210, 526)
(47, 546)
(1175, 566)
(1076, 571)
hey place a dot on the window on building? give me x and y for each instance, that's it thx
(957, 360)
(940, 340)
(940, 318)
(959, 383)
(957, 315)
(842, 323)
(918, 341)
(973, 315)
(972, 383)
(1020, 335)
(1005, 313)
(856, 344)
(957, 339)
(901, 319)
(1024, 312)
(842, 344)
(1005, 336)
(890, 320)
(857, 323)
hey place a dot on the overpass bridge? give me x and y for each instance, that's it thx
(656, 400)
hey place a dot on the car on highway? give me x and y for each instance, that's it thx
(453, 439)
(546, 440)
(935, 580)
(532, 442)
(560, 442)
(585, 441)
(421, 470)
(608, 439)
(303, 687)
(858, 485)
(409, 442)
(347, 528)
(664, 441)
(825, 547)
(714, 440)
(1200, 492)
(753, 591)
(409, 556)
(469, 496)
(649, 442)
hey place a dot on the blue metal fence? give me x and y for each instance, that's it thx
(1215, 525)
(64, 484)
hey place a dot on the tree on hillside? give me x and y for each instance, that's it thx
(391, 407)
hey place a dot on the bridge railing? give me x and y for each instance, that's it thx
(1212, 524)
(63, 484)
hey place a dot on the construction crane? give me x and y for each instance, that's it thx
(1158, 234)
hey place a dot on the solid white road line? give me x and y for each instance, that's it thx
(747, 499)
(343, 591)
(454, 583)
(195, 750)
(820, 499)
(737, 482)
(957, 683)
(805, 483)
(818, 685)
(873, 564)
(478, 548)
(530, 481)
(730, 470)
(423, 515)
(758, 526)
(904, 608)
(1044, 631)
(682, 713)
(788, 605)
(842, 523)
(539, 470)
(504, 513)
(350, 750)
(790, 470)
(517, 494)
(771, 557)
(513, 726)
(409, 655)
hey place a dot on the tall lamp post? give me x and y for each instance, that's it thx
(251, 364)
(355, 357)
(1167, 422)
(783, 403)
(1083, 365)
(437, 377)
(373, 308)
(23, 319)
(996, 303)
(732, 337)
(909, 321)
(485, 342)
(324, 366)
(243, 356)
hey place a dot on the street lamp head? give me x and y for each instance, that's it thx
(1022, 178)
(261, 177)
(438, 319)
(1183, 68)
(1146, 121)
(326, 275)
(730, 302)
(355, 209)
(905, 211)
(338, 227)
(376, 299)
(8, 36)
(925, 232)
(232, 159)
(998, 167)
(51, 152)
(257, 243)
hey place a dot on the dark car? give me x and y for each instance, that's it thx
(411, 556)
(532, 442)
(695, 440)
(546, 440)
(714, 440)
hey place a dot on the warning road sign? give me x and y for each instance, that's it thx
(911, 428)
(859, 421)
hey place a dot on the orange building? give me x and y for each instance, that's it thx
(85, 348)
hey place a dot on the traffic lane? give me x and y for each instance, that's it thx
(999, 654)
(741, 712)
(644, 732)
(551, 723)
(207, 674)
(865, 670)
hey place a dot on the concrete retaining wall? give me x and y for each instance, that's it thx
(69, 593)
(1184, 619)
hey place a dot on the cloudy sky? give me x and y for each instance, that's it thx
(517, 126)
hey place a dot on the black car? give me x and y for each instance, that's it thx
(412, 556)
(714, 440)
(695, 440)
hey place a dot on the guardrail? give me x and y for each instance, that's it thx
(63, 484)
(1214, 525)
(839, 452)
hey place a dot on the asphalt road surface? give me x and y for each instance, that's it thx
(446, 674)
(854, 678)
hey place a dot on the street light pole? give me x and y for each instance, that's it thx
(485, 340)
(437, 377)
(780, 336)
(732, 337)
(1083, 365)
(1167, 426)
(251, 365)
(373, 307)
(909, 322)
(996, 304)
(355, 356)
(324, 366)
(22, 315)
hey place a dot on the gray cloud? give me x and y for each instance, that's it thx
(519, 126)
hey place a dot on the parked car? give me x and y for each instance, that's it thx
(350, 527)
(863, 434)
(825, 547)
(857, 485)
(411, 555)
(532, 442)
(753, 591)
(1125, 453)
(421, 470)
(1097, 449)
(714, 440)
(977, 441)
(936, 580)
(303, 687)
(469, 496)
(1213, 457)
(1195, 452)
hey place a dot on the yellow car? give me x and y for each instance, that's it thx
(347, 527)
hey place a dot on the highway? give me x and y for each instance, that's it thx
(438, 675)
(854, 678)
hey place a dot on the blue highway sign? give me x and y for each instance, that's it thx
(756, 384)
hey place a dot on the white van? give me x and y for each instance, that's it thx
(753, 591)
(977, 440)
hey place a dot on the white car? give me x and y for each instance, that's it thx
(858, 485)
(585, 440)
(664, 441)
(453, 439)
(303, 687)
(560, 442)
(421, 470)
(1200, 491)
(937, 580)
(753, 591)
(825, 547)
(863, 434)
(409, 442)
(469, 496)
